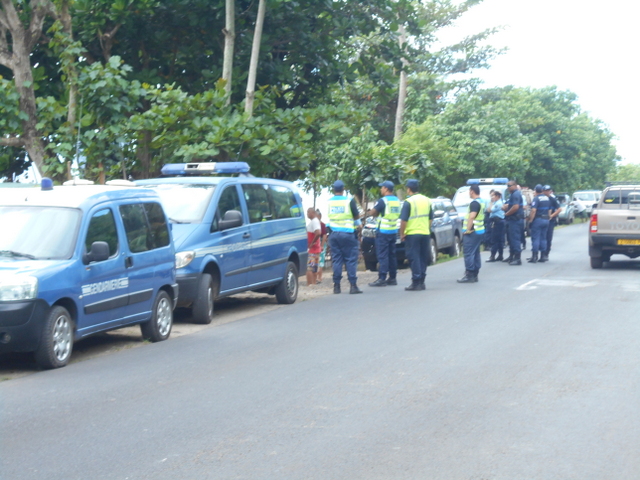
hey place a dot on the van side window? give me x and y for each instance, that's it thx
(259, 204)
(102, 228)
(284, 202)
(229, 200)
(145, 226)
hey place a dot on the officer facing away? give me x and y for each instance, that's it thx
(539, 220)
(415, 230)
(554, 212)
(343, 213)
(388, 211)
(514, 216)
(473, 233)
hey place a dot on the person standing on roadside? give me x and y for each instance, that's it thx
(514, 216)
(416, 217)
(387, 209)
(496, 218)
(472, 235)
(554, 212)
(323, 244)
(314, 246)
(539, 220)
(343, 241)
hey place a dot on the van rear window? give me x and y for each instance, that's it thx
(619, 196)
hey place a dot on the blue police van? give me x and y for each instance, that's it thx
(232, 233)
(77, 260)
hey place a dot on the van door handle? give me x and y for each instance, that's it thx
(128, 262)
(246, 235)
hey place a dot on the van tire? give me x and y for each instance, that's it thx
(456, 249)
(433, 251)
(596, 262)
(203, 309)
(287, 289)
(159, 327)
(56, 343)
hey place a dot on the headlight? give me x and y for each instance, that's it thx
(184, 258)
(18, 287)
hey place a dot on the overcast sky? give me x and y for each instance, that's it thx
(590, 47)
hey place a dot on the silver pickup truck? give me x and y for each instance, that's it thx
(615, 224)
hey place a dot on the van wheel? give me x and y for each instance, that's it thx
(202, 310)
(456, 248)
(159, 327)
(56, 343)
(596, 262)
(287, 289)
(433, 251)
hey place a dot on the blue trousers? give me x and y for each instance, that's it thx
(344, 251)
(552, 224)
(386, 252)
(471, 245)
(539, 228)
(417, 252)
(497, 236)
(514, 235)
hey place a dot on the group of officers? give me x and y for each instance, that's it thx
(416, 217)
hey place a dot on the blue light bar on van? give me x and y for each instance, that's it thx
(204, 168)
(487, 181)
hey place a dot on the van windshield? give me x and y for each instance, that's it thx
(586, 196)
(462, 199)
(43, 233)
(184, 202)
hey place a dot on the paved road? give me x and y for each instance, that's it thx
(533, 373)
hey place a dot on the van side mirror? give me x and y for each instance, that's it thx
(438, 214)
(99, 252)
(232, 219)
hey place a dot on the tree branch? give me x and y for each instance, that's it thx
(39, 11)
(12, 141)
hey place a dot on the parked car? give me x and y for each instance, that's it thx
(77, 260)
(615, 225)
(586, 198)
(232, 233)
(568, 213)
(446, 235)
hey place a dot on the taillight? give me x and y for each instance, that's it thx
(594, 223)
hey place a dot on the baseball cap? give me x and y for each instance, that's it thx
(413, 184)
(538, 188)
(546, 187)
(338, 185)
(386, 184)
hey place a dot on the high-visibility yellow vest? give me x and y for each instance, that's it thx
(340, 216)
(478, 222)
(418, 223)
(389, 221)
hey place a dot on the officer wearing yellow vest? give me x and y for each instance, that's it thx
(345, 249)
(387, 209)
(472, 235)
(416, 217)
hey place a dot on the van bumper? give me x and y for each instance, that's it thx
(609, 245)
(188, 287)
(21, 325)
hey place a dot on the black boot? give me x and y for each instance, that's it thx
(544, 257)
(500, 259)
(355, 289)
(516, 260)
(492, 259)
(378, 283)
(533, 258)
(509, 258)
(392, 281)
(336, 288)
(468, 278)
(414, 287)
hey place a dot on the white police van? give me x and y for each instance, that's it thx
(232, 234)
(77, 260)
(461, 198)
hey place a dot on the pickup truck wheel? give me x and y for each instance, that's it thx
(596, 262)
(456, 248)
(287, 289)
(159, 327)
(433, 251)
(202, 310)
(56, 342)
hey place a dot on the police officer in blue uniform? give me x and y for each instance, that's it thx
(514, 216)
(387, 209)
(539, 220)
(345, 249)
(554, 211)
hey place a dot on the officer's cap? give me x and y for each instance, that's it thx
(338, 185)
(387, 184)
(538, 188)
(546, 187)
(413, 184)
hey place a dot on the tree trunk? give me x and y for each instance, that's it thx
(255, 53)
(143, 153)
(402, 88)
(229, 44)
